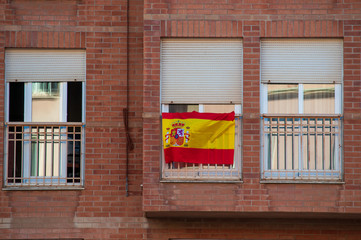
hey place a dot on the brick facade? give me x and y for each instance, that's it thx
(252, 21)
(116, 49)
(101, 210)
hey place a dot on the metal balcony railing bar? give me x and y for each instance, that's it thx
(301, 146)
(43, 154)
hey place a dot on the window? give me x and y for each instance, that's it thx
(203, 75)
(301, 106)
(45, 99)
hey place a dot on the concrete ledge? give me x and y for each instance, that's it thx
(45, 188)
(293, 215)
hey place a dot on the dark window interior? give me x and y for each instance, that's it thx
(16, 114)
(74, 115)
(74, 154)
(16, 102)
(178, 108)
(14, 154)
(74, 102)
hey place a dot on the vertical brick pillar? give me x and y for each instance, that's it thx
(352, 116)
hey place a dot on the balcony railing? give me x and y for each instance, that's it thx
(177, 171)
(301, 147)
(44, 154)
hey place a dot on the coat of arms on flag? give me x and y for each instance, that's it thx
(179, 134)
(194, 137)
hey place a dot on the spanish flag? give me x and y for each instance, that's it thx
(194, 137)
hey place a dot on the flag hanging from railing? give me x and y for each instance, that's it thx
(192, 137)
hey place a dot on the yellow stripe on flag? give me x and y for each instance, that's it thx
(198, 133)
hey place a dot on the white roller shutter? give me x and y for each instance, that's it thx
(201, 71)
(302, 60)
(34, 65)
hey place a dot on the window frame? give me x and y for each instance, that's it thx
(206, 98)
(301, 174)
(264, 97)
(301, 61)
(68, 134)
(44, 181)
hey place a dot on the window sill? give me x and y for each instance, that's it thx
(296, 181)
(43, 188)
(199, 181)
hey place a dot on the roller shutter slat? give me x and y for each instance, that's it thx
(201, 71)
(51, 65)
(302, 61)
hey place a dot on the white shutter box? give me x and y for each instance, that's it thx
(201, 71)
(39, 65)
(302, 60)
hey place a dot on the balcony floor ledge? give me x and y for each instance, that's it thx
(281, 215)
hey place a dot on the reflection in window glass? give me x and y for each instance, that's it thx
(319, 98)
(45, 89)
(283, 98)
(45, 102)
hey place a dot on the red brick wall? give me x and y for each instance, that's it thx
(101, 210)
(251, 20)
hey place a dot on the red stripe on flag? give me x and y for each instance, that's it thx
(197, 115)
(198, 155)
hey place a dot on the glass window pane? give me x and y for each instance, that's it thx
(282, 98)
(319, 98)
(173, 108)
(45, 102)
